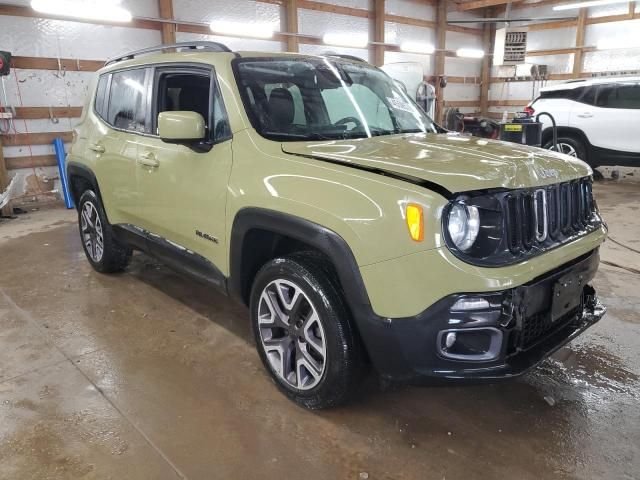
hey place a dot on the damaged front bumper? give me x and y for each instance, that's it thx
(486, 336)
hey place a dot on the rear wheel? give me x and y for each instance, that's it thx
(304, 333)
(104, 252)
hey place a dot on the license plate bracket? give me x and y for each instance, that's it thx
(567, 295)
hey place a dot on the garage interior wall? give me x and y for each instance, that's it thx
(30, 159)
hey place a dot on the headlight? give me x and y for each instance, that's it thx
(464, 225)
(474, 227)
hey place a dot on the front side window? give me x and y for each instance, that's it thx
(325, 99)
(619, 95)
(127, 101)
(184, 90)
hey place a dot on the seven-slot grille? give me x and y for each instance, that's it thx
(548, 215)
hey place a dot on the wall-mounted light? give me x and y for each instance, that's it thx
(417, 47)
(470, 53)
(78, 9)
(345, 40)
(242, 29)
(594, 3)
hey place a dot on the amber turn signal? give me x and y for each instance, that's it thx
(415, 222)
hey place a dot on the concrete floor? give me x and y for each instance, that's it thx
(146, 375)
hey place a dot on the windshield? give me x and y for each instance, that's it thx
(319, 98)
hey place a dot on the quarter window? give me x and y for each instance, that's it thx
(127, 105)
(101, 93)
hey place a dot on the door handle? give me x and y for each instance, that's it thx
(585, 115)
(96, 147)
(148, 159)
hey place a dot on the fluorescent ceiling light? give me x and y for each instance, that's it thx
(594, 3)
(470, 53)
(98, 10)
(345, 40)
(417, 47)
(243, 29)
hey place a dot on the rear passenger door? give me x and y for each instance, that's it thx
(183, 197)
(613, 122)
(121, 121)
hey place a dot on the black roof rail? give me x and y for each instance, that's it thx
(206, 46)
(346, 57)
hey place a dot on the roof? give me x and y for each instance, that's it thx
(573, 84)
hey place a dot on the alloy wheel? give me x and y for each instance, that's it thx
(292, 334)
(92, 234)
(566, 149)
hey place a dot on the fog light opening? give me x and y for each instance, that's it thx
(470, 303)
(470, 344)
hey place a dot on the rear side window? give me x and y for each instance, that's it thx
(101, 93)
(620, 95)
(127, 101)
(581, 94)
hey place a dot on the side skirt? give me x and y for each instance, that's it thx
(174, 256)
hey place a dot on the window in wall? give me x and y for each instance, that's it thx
(621, 95)
(127, 105)
(191, 91)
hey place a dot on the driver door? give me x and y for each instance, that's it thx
(183, 190)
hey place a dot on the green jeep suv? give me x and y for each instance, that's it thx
(358, 232)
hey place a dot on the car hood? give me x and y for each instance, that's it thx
(454, 162)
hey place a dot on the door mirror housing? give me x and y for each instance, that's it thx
(181, 127)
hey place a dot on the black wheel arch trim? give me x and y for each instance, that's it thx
(316, 236)
(75, 169)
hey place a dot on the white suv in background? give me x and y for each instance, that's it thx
(598, 119)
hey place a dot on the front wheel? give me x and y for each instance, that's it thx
(304, 333)
(569, 146)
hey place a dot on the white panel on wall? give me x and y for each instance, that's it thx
(455, 15)
(457, 40)
(410, 8)
(619, 33)
(138, 8)
(611, 60)
(327, 49)
(461, 91)
(47, 88)
(363, 4)
(399, 32)
(551, 39)
(425, 60)
(204, 11)
(234, 43)
(462, 67)
(52, 38)
(605, 10)
(23, 150)
(312, 22)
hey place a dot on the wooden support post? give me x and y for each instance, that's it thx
(6, 211)
(168, 30)
(577, 56)
(378, 32)
(291, 13)
(441, 41)
(485, 72)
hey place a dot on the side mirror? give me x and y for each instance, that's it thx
(181, 127)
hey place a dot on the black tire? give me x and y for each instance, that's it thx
(344, 362)
(115, 256)
(577, 145)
